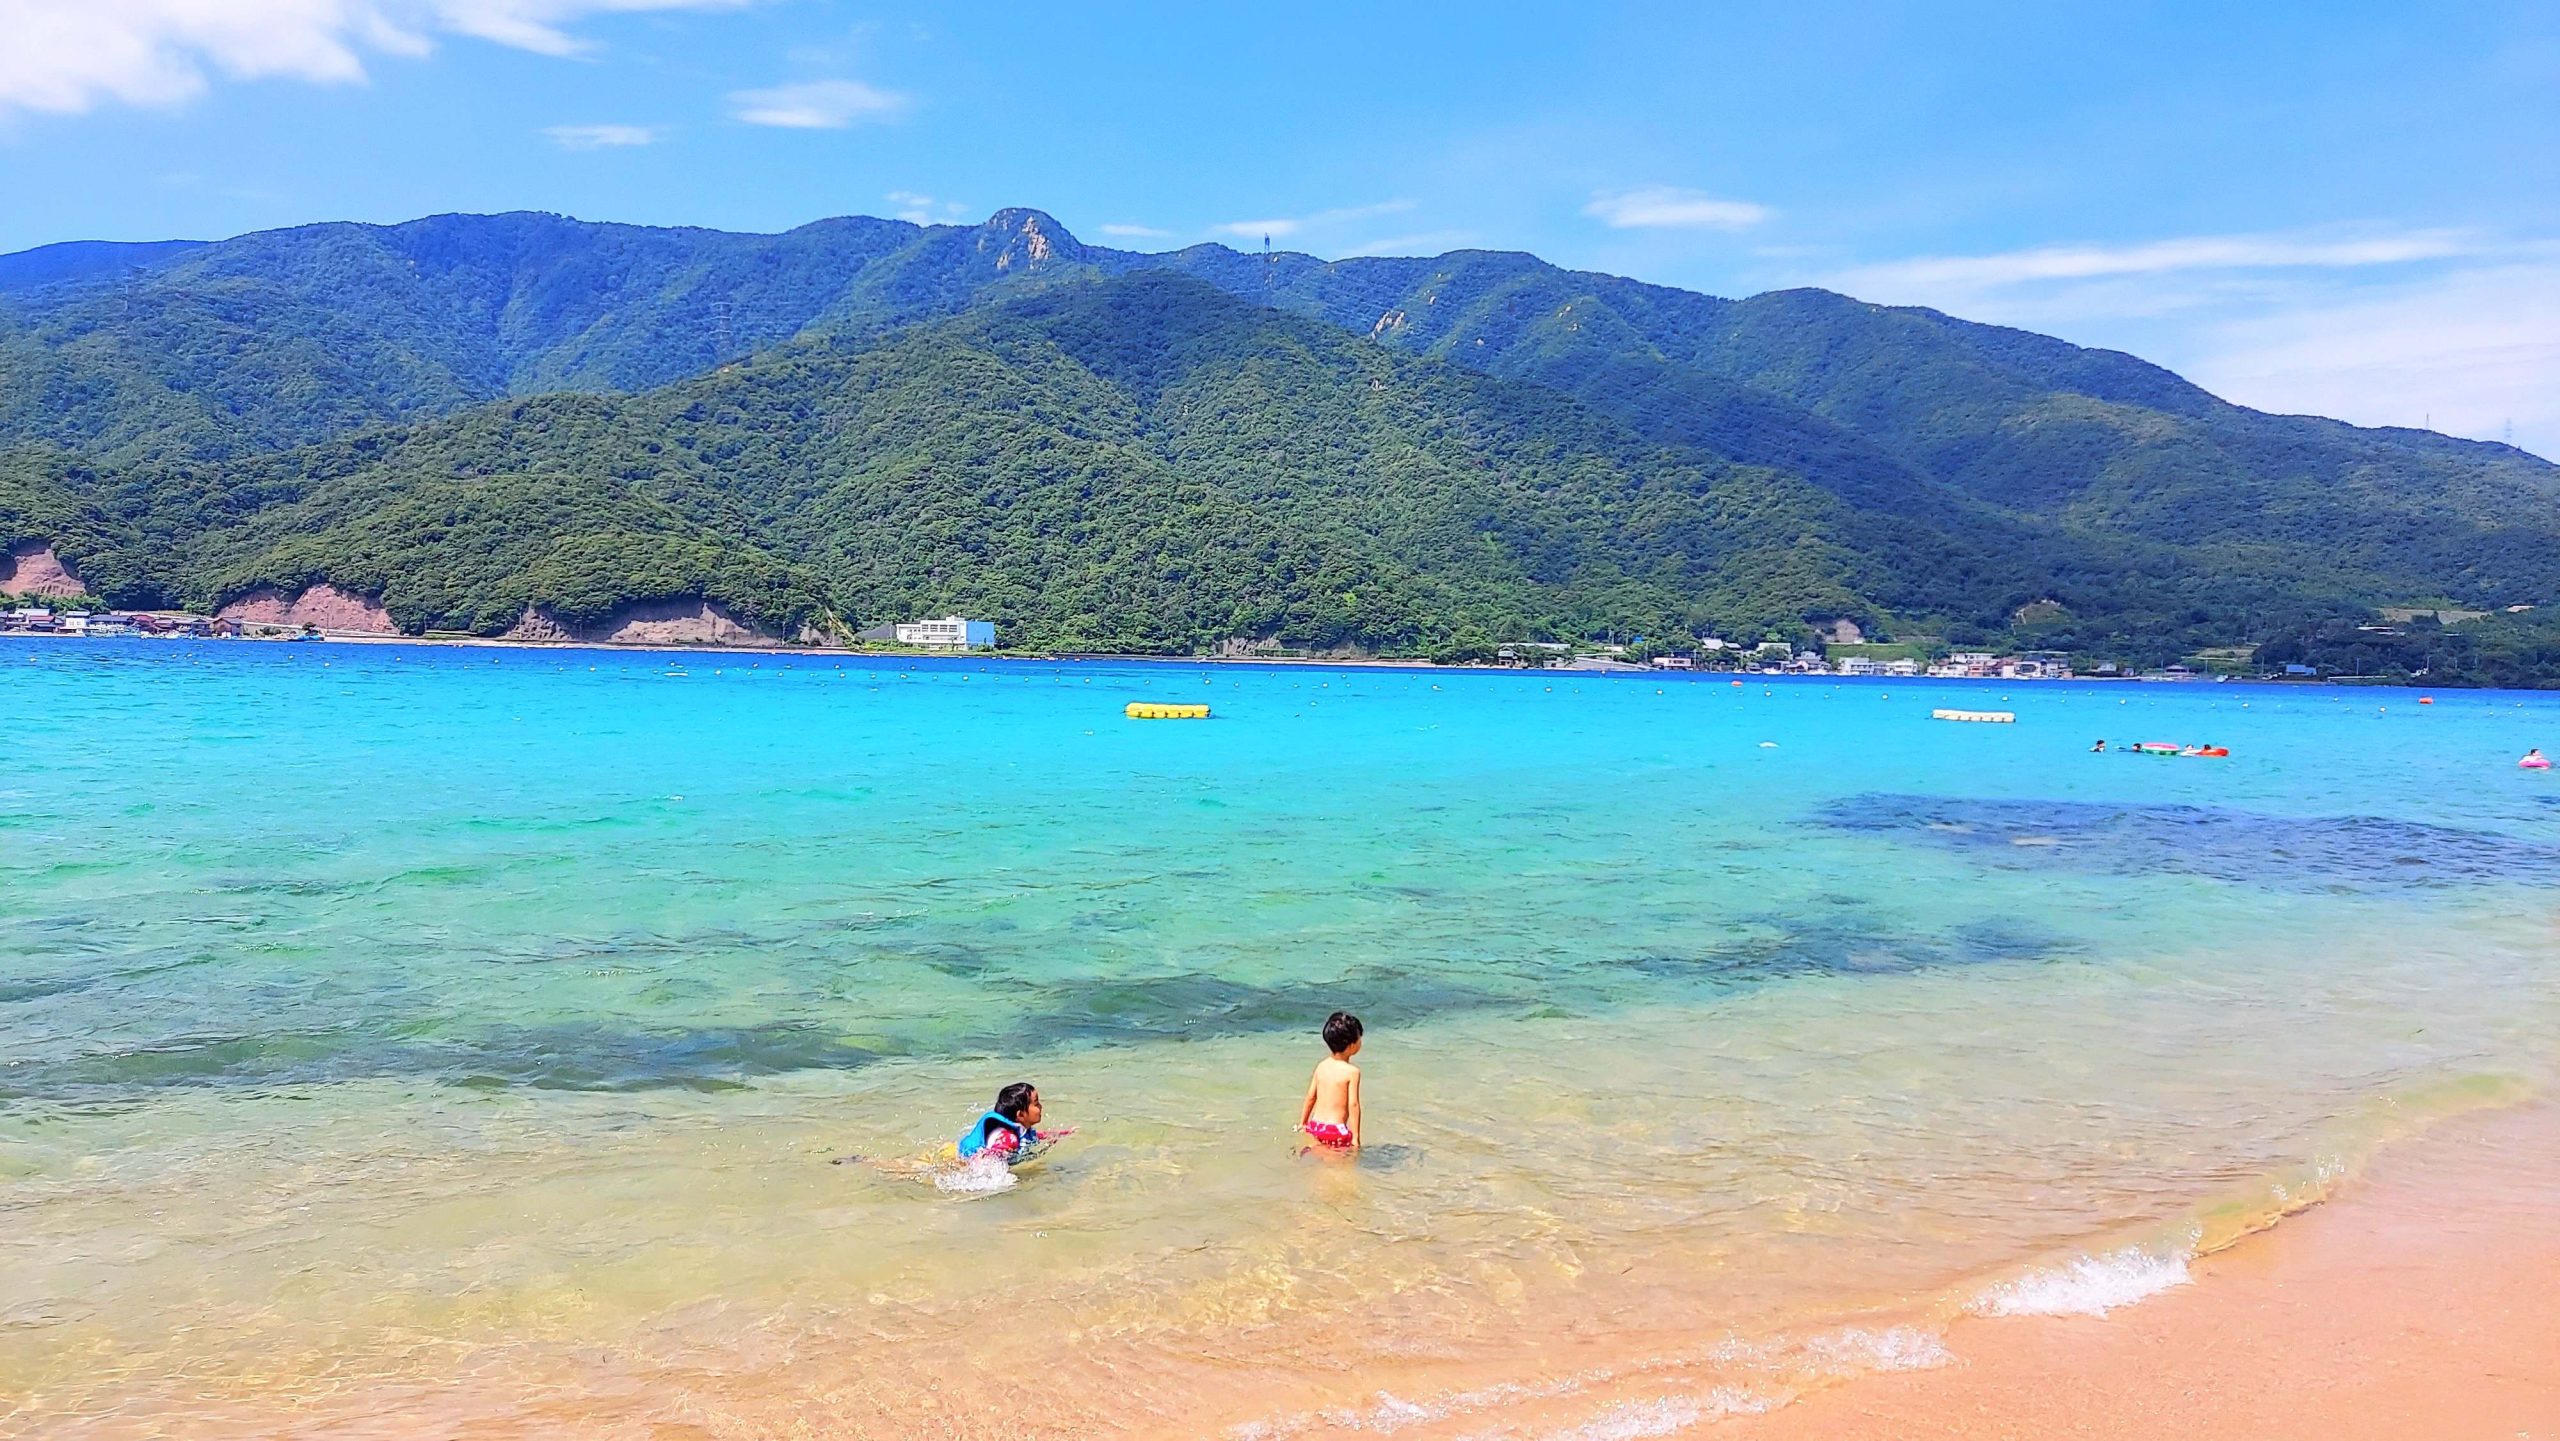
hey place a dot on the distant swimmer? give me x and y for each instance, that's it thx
(2535, 760)
(1331, 1115)
(2099, 749)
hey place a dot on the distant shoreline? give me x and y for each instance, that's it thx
(783, 648)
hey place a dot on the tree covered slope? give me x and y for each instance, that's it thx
(470, 415)
(1139, 462)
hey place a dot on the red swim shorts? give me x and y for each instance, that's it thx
(1327, 1133)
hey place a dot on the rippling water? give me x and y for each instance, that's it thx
(446, 1039)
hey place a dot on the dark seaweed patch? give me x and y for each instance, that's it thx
(2279, 852)
(1197, 1005)
(1784, 950)
(573, 1058)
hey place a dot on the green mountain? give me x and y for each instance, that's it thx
(471, 418)
(1139, 462)
(1873, 398)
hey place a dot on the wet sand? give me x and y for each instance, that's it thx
(2423, 1302)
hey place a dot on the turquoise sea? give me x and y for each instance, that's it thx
(456, 1040)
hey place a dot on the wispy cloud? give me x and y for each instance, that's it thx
(2454, 328)
(1429, 242)
(817, 105)
(604, 137)
(1283, 226)
(1673, 208)
(1134, 232)
(66, 57)
(920, 209)
(2473, 350)
(2188, 253)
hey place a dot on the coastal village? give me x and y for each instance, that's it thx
(64, 617)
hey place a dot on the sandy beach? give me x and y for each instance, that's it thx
(2424, 1301)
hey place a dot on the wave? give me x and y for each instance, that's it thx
(2088, 1285)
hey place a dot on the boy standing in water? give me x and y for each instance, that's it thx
(1331, 1115)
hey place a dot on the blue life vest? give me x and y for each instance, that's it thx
(974, 1140)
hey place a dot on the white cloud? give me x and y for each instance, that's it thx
(2472, 351)
(1134, 232)
(1671, 207)
(1281, 227)
(1429, 242)
(1972, 273)
(541, 25)
(918, 209)
(2454, 329)
(65, 57)
(817, 105)
(604, 137)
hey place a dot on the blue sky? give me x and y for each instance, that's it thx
(2346, 208)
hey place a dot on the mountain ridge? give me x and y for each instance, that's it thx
(2105, 476)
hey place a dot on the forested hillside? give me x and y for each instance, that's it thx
(470, 418)
(1140, 462)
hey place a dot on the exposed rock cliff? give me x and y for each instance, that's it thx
(322, 605)
(31, 568)
(662, 622)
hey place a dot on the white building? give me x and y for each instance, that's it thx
(950, 631)
(1674, 662)
(2038, 665)
(1860, 665)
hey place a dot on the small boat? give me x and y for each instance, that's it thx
(1987, 717)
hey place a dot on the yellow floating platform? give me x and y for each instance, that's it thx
(1152, 710)
(1990, 717)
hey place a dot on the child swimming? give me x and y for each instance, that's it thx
(1007, 1135)
(1008, 1131)
(1331, 1116)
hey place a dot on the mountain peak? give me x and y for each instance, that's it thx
(1021, 237)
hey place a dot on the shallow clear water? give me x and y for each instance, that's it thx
(457, 1038)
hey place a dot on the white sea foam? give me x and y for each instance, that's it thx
(1894, 1348)
(1389, 1413)
(1634, 1420)
(1668, 1415)
(2086, 1285)
(1849, 1351)
(983, 1176)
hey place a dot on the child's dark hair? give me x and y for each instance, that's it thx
(1015, 1099)
(1340, 1030)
